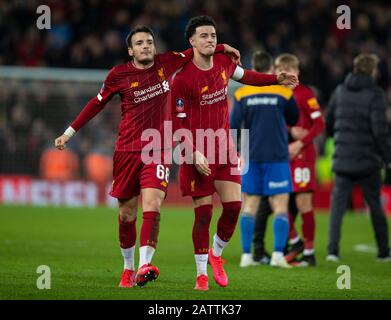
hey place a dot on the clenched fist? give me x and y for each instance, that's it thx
(61, 141)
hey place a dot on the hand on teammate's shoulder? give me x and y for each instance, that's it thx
(287, 79)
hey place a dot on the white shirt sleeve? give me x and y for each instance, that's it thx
(238, 73)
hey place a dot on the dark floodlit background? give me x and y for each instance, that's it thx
(36, 105)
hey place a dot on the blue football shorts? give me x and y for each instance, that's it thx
(267, 178)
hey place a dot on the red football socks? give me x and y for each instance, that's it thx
(149, 229)
(127, 233)
(228, 220)
(308, 229)
(200, 235)
(292, 230)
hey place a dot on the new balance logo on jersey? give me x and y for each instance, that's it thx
(262, 101)
(99, 95)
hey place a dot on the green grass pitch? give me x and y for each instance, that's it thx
(81, 248)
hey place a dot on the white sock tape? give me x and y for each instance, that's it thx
(70, 132)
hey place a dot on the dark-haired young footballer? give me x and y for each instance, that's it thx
(143, 86)
(199, 101)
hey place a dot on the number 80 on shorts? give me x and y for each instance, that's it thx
(303, 178)
(302, 175)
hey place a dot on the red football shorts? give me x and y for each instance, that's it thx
(303, 176)
(194, 184)
(130, 175)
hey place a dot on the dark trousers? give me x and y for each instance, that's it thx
(370, 184)
(261, 218)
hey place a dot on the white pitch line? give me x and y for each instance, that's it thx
(367, 248)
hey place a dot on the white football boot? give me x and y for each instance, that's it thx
(278, 260)
(246, 260)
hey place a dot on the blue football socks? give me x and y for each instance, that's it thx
(281, 230)
(247, 223)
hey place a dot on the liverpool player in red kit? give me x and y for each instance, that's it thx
(143, 85)
(199, 100)
(303, 155)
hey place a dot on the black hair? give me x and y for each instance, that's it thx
(261, 61)
(196, 22)
(135, 30)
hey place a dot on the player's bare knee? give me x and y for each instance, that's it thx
(152, 204)
(304, 207)
(280, 208)
(304, 203)
(152, 199)
(279, 203)
(202, 201)
(127, 209)
(251, 204)
(127, 215)
(249, 210)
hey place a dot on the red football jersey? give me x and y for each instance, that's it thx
(310, 118)
(144, 98)
(199, 97)
(143, 95)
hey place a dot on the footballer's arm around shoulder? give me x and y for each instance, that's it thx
(253, 78)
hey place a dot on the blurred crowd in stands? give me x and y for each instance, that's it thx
(91, 34)
(33, 113)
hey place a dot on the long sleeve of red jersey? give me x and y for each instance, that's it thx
(305, 97)
(95, 105)
(173, 60)
(253, 78)
(92, 108)
(316, 129)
